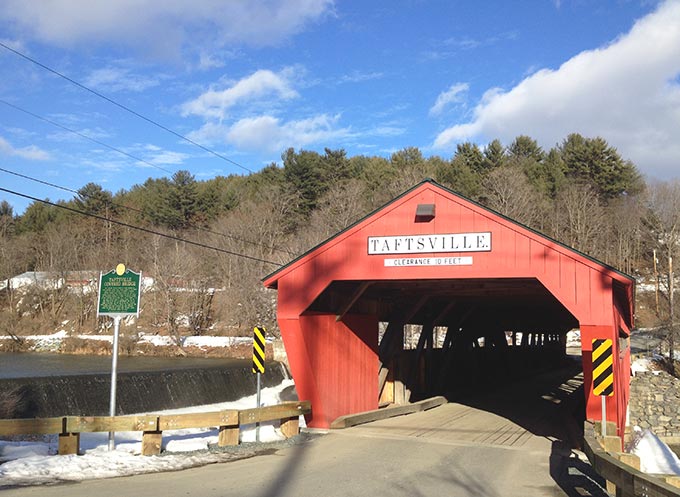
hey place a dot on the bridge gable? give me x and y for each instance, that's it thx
(430, 233)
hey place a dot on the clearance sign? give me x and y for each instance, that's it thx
(429, 244)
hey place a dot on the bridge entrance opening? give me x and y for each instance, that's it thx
(435, 294)
(451, 336)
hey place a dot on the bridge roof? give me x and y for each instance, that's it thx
(385, 246)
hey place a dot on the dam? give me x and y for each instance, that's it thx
(64, 385)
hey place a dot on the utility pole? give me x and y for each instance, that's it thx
(671, 311)
(656, 279)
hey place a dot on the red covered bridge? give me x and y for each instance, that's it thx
(490, 297)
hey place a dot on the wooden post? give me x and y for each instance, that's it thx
(387, 392)
(612, 444)
(673, 480)
(229, 435)
(69, 443)
(611, 430)
(151, 443)
(290, 426)
(631, 460)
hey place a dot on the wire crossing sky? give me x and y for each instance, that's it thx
(247, 80)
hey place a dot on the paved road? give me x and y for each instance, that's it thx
(511, 443)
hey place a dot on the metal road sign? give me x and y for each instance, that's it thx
(258, 350)
(119, 291)
(603, 369)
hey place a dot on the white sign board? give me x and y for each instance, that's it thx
(429, 261)
(428, 244)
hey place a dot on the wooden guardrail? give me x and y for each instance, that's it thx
(152, 426)
(622, 470)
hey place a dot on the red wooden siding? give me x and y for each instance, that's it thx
(345, 379)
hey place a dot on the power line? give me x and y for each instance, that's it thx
(82, 135)
(124, 107)
(140, 211)
(139, 228)
(98, 142)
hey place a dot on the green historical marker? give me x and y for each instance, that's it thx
(119, 291)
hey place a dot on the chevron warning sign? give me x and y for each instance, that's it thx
(603, 367)
(258, 350)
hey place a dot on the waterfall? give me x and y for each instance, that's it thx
(147, 391)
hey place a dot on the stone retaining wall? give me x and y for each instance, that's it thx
(655, 403)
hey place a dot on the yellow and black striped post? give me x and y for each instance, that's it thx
(258, 367)
(603, 374)
(258, 350)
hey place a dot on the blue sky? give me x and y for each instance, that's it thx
(250, 79)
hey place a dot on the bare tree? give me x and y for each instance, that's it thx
(579, 218)
(337, 209)
(664, 220)
(507, 190)
(624, 232)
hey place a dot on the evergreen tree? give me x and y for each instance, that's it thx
(594, 162)
(524, 147)
(468, 154)
(182, 200)
(6, 219)
(336, 166)
(494, 155)
(36, 218)
(93, 199)
(458, 176)
(406, 158)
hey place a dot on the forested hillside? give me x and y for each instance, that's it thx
(581, 192)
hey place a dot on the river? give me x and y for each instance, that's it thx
(48, 385)
(29, 365)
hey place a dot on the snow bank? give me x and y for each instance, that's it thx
(644, 365)
(655, 456)
(53, 342)
(35, 463)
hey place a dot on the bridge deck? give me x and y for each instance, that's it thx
(453, 424)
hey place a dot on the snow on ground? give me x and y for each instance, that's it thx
(655, 456)
(36, 462)
(574, 338)
(53, 341)
(644, 365)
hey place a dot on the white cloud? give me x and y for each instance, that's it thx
(66, 136)
(626, 92)
(261, 85)
(452, 46)
(454, 95)
(157, 155)
(360, 77)
(31, 152)
(114, 79)
(168, 157)
(162, 28)
(268, 133)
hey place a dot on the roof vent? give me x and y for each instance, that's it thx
(425, 213)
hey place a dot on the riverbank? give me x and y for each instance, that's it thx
(140, 344)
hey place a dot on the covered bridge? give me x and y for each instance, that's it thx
(489, 297)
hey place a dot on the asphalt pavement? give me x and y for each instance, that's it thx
(514, 441)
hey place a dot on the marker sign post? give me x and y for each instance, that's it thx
(603, 374)
(119, 293)
(258, 366)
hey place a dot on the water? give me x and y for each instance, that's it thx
(42, 365)
(63, 385)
